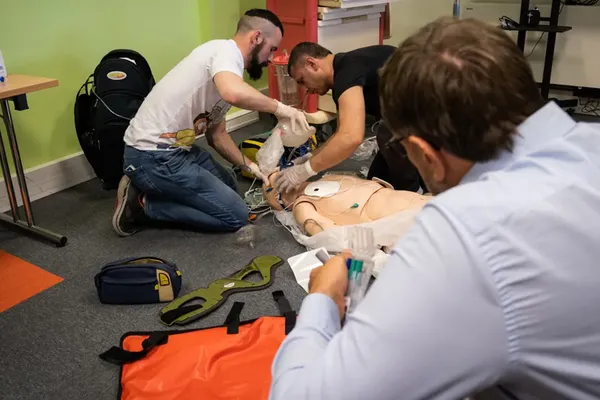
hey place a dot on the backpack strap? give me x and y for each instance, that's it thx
(286, 310)
(118, 356)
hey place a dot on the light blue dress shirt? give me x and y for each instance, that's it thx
(496, 284)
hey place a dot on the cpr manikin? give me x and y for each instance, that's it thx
(337, 200)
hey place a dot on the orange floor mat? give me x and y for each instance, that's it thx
(21, 280)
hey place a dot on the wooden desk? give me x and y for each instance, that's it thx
(15, 89)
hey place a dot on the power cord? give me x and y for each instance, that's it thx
(591, 106)
(509, 22)
(582, 2)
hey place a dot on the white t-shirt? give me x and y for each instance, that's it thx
(185, 102)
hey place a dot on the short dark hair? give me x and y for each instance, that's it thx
(306, 49)
(264, 14)
(462, 85)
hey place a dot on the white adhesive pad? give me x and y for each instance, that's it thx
(303, 263)
(322, 189)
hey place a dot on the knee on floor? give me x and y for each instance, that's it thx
(238, 216)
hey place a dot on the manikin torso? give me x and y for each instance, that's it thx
(343, 200)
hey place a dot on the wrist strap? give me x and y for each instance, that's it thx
(309, 168)
(279, 107)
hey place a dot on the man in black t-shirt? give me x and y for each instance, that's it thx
(353, 78)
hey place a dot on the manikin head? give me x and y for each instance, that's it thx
(311, 65)
(258, 35)
(453, 95)
(278, 203)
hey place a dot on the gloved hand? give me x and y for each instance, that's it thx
(302, 160)
(293, 177)
(255, 170)
(296, 117)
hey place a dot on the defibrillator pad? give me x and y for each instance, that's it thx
(322, 189)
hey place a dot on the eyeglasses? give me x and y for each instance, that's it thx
(395, 145)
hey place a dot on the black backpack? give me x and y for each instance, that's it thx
(104, 105)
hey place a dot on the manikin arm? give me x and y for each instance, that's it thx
(350, 133)
(310, 220)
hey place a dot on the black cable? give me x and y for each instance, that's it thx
(542, 35)
(584, 2)
(591, 106)
(535, 45)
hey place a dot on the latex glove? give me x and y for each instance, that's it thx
(255, 170)
(293, 177)
(302, 160)
(331, 280)
(296, 117)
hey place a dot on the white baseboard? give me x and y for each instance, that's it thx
(240, 119)
(49, 178)
(61, 174)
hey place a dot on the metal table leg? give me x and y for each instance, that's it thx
(28, 226)
(10, 190)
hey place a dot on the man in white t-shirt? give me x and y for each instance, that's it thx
(168, 178)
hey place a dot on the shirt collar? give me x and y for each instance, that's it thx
(548, 123)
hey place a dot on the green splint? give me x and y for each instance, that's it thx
(177, 313)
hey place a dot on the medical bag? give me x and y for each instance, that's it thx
(138, 280)
(106, 102)
(232, 361)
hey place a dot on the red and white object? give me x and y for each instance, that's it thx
(349, 25)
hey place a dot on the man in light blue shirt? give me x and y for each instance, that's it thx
(496, 288)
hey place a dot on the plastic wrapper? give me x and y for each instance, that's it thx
(270, 153)
(294, 138)
(366, 150)
(364, 171)
(246, 236)
(386, 232)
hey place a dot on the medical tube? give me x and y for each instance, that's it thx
(360, 269)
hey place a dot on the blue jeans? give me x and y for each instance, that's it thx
(187, 187)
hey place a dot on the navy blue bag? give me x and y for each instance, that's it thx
(140, 280)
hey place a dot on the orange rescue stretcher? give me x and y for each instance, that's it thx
(232, 361)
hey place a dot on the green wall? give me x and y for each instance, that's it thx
(66, 39)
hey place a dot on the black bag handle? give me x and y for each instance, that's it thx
(131, 259)
(232, 322)
(286, 310)
(118, 356)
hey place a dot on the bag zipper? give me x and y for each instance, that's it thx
(164, 267)
(113, 281)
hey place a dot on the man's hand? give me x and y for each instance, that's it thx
(296, 117)
(255, 170)
(293, 177)
(303, 159)
(332, 280)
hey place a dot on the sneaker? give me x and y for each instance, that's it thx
(128, 209)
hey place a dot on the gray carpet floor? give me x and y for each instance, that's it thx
(51, 342)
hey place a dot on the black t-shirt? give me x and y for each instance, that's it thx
(360, 67)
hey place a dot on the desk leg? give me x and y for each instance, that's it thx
(522, 21)
(550, 47)
(12, 138)
(30, 226)
(10, 190)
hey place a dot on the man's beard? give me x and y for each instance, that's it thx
(255, 70)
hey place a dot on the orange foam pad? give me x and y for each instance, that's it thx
(21, 280)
